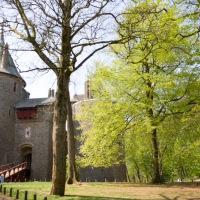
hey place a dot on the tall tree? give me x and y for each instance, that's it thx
(64, 34)
(151, 81)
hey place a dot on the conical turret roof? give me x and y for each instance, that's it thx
(6, 62)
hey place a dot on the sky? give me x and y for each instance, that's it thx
(38, 84)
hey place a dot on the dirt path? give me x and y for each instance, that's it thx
(4, 197)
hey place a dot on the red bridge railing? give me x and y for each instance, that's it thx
(15, 170)
(6, 166)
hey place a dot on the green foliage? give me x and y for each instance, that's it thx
(181, 151)
(152, 85)
(105, 136)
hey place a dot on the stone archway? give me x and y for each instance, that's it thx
(26, 156)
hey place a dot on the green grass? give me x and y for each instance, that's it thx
(76, 191)
(40, 188)
(106, 190)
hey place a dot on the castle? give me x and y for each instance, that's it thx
(26, 127)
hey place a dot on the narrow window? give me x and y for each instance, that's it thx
(27, 132)
(14, 89)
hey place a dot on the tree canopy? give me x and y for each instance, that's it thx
(142, 97)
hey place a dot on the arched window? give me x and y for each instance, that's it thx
(27, 132)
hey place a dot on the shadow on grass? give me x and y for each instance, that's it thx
(94, 197)
(167, 198)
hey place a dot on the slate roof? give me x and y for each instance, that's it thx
(30, 103)
(6, 62)
(10, 68)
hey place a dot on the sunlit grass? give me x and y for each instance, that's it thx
(105, 190)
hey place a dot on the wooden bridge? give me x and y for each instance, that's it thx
(13, 173)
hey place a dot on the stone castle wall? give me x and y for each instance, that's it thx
(39, 142)
(11, 91)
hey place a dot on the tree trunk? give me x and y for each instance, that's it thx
(156, 169)
(156, 178)
(137, 170)
(59, 137)
(71, 144)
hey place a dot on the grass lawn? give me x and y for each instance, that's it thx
(103, 191)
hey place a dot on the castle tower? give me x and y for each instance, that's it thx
(25, 124)
(11, 91)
